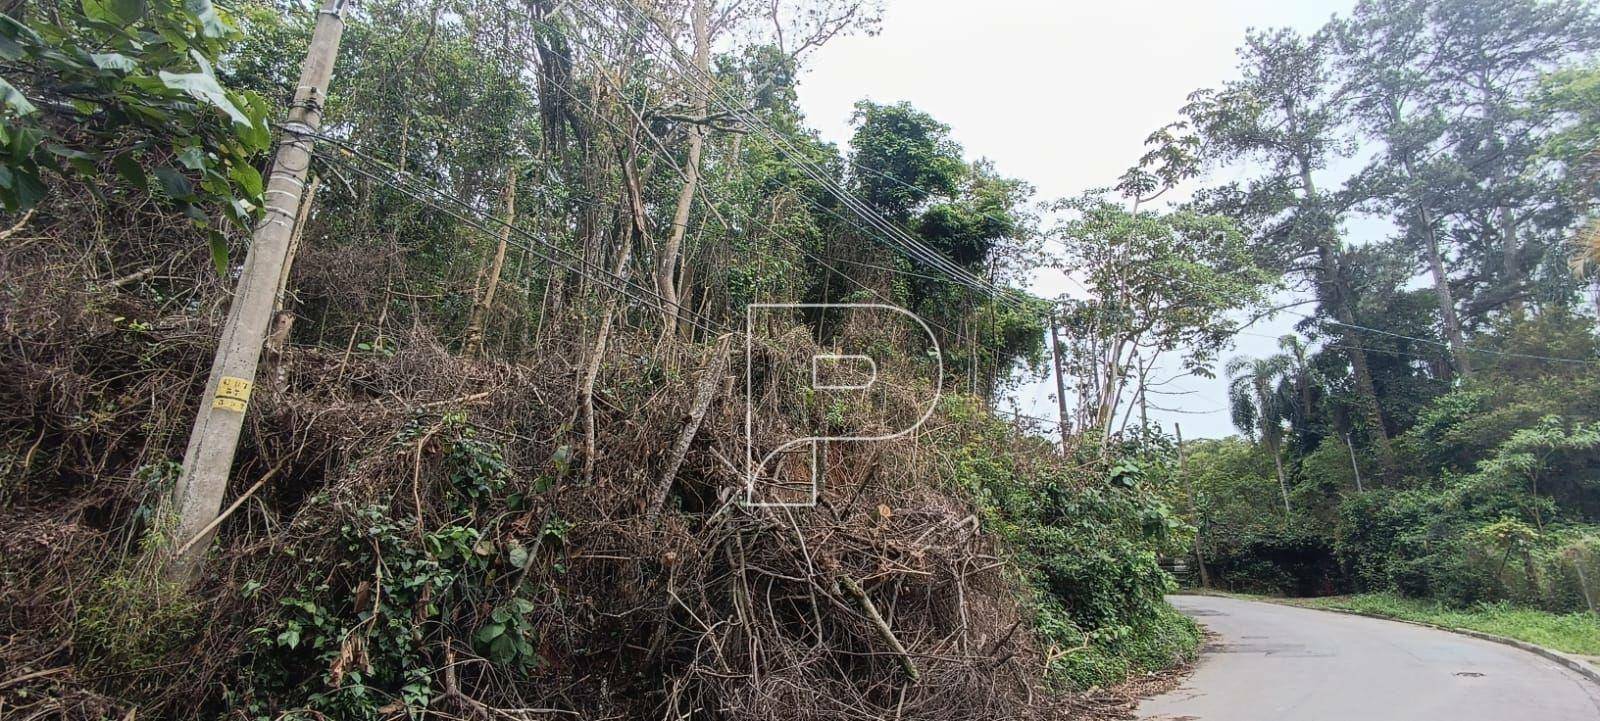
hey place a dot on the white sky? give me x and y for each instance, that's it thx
(1062, 95)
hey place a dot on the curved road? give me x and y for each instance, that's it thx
(1279, 663)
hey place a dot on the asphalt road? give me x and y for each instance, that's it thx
(1277, 663)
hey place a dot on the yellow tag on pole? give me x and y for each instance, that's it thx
(233, 394)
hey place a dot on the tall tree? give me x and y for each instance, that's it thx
(1288, 112)
(1159, 283)
(667, 262)
(1446, 88)
(1389, 54)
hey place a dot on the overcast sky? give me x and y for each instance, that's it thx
(1062, 95)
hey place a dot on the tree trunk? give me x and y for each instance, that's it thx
(1061, 388)
(1368, 392)
(1199, 521)
(639, 228)
(1111, 392)
(667, 264)
(485, 300)
(1441, 292)
(1336, 295)
(1511, 252)
(1283, 483)
(710, 381)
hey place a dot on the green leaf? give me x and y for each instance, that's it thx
(248, 178)
(24, 140)
(290, 638)
(13, 29)
(69, 153)
(219, 253)
(192, 157)
(10, 49)
(101, 11)
(518, 556)
(260, 135)
(15, 100)
(126, 10)
(490, 632)
(27, 187)
(114, 61)
(172, 181)
(131, 171)
(201, 86)
(503, 649)
(211, 24)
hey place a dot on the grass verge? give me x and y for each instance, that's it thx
(1577, 633)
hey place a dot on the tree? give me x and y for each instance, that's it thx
(1288, 113)
(1387, 51)
(910, 172)
(667, 264)
(902, 158)
(1574, 96)
(1447, 88)
(1529, 455)
(1159, 283)
(1258, 408)
(1299, 380)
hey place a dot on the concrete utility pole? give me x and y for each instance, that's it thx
(1194, 507)
(1353, 466)
(198, 494)
(1061, 388)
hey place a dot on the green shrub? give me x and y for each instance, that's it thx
(1086, 536)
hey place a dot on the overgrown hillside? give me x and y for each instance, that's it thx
(492, 463)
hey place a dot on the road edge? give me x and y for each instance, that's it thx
(1572, 663)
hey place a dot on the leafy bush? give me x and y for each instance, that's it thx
(1086, 542)
(131, 620)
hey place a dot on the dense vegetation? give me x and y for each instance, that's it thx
(490, 466)
(1425, 172)
(466, 487)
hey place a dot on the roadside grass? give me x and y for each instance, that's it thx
(1577, 633)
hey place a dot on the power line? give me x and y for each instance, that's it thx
(663, 153)
(476, 220)
(1353, 326)
(912, 247)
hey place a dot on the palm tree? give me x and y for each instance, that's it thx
(1298, 374)
(1258, 406)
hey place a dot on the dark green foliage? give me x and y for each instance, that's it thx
(903, 157)
(1439, 427)
(96, 90)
